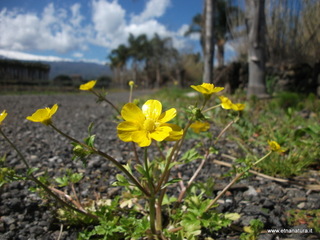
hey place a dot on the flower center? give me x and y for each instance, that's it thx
(149, 125)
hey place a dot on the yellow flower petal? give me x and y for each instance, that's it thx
(43, 115)
(274, 146)
(126, 129)
(3, 115)
(152, 109)
(88, 86)
(161, 133)
(142, 138)
(198, 126)
(176, 133)
(167, 115)
(207, 88)
(131, 112)
(238, 106)
(225, 102)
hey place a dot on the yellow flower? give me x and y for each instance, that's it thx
(88, 86)
(198, 126)
(131, 83)
(225, 102)
(143, 125)
(43, 115)
(207, 89)
(3, 115)
(238, 106)
(275, 147)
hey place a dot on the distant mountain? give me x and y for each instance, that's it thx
(85, 69)
(60, 66)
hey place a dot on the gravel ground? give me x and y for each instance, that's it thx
(24, 216)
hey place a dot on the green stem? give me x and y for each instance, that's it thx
(130, 94)
(106, 100)
(267, 155)
(210, 108)
(152, 200)
(42, 185)
(236, 178)
(114, 161)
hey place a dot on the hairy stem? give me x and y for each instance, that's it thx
(45, 187)
(104, 155)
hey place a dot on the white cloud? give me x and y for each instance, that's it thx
(109, 21)
(76, 18)
(54, 30)
(149, 28)
(65, 31)
(29, 57)
(77, 54)
(153, 9)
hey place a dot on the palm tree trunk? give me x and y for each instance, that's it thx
(220, 53)
(209, 42)
(256, 50)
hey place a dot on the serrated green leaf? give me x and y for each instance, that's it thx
(190, 155)
(62, 181)
(76, 177)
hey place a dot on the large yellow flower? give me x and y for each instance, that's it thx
(3, 115)
(43, 115)
(143, 125)
(88, 86)
(198, 126)
(207, 89)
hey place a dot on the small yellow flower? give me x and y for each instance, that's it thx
(198, 126)
(131, 83)
(225, 102)
(275, 147)
(43, 115)
(207, 89)
(3, 115)
(88, 86)
(143, 125)
(238, 106)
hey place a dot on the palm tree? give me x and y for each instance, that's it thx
(223, 11)
(138, 51)
(161, 53)
(118, 59)
(208, 56)
(256, 25)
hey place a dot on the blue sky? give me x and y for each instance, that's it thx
(88, 29)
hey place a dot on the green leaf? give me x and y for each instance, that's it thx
(190, 155)
(232, 216)
(172, 181)
(90, 128)
(62, 181)
(167, 200)
(76, 177)
(32, 170)
(90, 140)
(141, 170)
